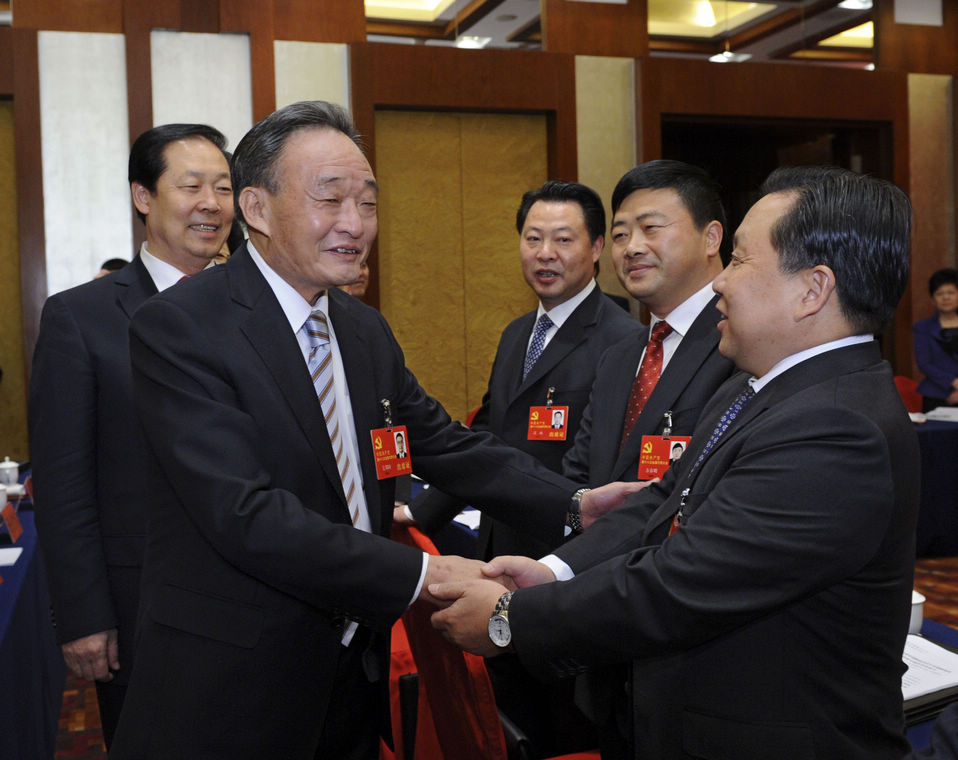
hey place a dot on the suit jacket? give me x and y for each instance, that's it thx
(772, 622)
(252, 562)
(89, 457)
(936, 362)
(567, 364)
(690, 378)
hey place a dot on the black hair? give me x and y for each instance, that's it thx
(557, 191)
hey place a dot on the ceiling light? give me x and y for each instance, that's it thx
(856, 5)
(471, 42)
(507, 17)
(703, 14)
(727, 56)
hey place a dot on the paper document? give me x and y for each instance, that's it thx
(9, 555)
(943, 414)
(931, 667)
(469, 518)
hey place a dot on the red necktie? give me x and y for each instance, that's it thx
(645, 380)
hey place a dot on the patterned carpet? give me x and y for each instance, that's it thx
(80, 739)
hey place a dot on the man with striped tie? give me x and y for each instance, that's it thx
(270, 400)
(762, 590)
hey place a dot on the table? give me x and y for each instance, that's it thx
(937, 530)
(32, 668)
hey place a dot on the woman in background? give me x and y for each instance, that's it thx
(936, 343)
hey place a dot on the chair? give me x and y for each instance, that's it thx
(458, 693)
(908, 390)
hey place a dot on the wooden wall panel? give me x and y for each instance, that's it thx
(29, 168)
(406, 76)
(328, 21)
(596, 28)
(915, 48)
(448, 260)
(70, 15)
(255, 18)
(13, 390)
(6, 62)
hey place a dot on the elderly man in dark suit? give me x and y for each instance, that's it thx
(667, 229)
(762, 590)
(89, 456)
(270, 583)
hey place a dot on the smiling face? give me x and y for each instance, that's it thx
(188, 218)
(558, 259)
(760, 303)
(658, 254)
(317, 229)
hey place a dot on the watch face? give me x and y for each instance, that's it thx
(499, 631)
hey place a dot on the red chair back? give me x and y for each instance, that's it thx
(908, 390)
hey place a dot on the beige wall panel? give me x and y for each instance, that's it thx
(420, 247)
(311, 71)
(931, 109)
(503, 156)
(13, 393)
(605, 121)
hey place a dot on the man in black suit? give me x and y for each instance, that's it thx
(667, 228)
(89, 456)
(561, 228)
(762, 590)
(270, 583)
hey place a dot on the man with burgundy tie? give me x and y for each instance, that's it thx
(761, 591)
(667, 230)
(269, 399)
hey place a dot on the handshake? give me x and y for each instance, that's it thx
(468, 590)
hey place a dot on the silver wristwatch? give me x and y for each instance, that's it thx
(499, 630)
(574, 517)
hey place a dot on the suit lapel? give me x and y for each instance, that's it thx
(268, 331)
(133, 286)
(573, 331)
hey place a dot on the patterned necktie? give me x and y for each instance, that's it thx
(724, 422)
(647, 377)
(537, 344)
(320, 365)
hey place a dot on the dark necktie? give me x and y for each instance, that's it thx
(537, 345)
(724, 422)
(647, 377)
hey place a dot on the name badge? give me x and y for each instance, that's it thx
(548, 423)
(391, 452)
(658, 452)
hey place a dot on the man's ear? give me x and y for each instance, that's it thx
(255, 208)
(819, 285)
(141, 198)
(713, 238)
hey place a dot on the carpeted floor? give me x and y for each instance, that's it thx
(80, 739)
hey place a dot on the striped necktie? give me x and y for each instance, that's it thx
(320, 365)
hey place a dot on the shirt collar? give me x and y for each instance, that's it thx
(680, 319)
(294, 306)
(788, 362)
(559, 314)
(163, 274)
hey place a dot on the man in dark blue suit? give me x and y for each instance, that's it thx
(89, 456)
(761, 591)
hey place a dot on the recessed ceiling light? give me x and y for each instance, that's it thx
(471, 42)
(727, 56)
(856, 5)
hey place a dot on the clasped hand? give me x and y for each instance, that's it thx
(469, 603)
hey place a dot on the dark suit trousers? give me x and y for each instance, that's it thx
(351, 731)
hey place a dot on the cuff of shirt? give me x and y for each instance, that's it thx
(559, 568)
(422, 578)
